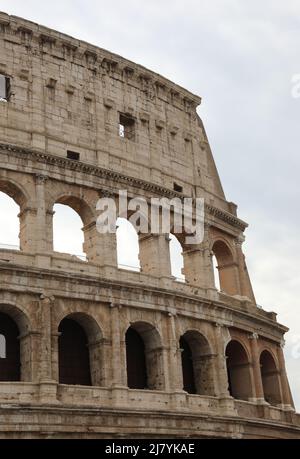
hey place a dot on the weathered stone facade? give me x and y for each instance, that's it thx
(66, 97)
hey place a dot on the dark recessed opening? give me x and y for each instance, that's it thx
(73, 155)
(126, 127)
(4, 87)
(177, 188)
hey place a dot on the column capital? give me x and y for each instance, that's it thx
(282, 343)
(49, 299)
(172, 313)
(254, 336)
(115, 305)
(41, 178)
(239, 240)
(103, 193)
(29, 210)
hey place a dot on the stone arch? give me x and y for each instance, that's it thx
(144, 357)
(270, 377)
(238, 370)
(15, 191)
(197, 363)
(80, 350)
(78, 204)
(226, 267)
(15, 327)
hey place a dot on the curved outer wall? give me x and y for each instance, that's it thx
(67, 95)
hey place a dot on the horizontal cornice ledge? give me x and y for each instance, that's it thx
(97, 171)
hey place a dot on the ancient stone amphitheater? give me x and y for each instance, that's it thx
(91, 350)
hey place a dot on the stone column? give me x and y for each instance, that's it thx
(29, 355)
(100, 249)
(99, 353)
(48, 387)
(155, 255)
(244, 279)
(175, 365)
(157, 374)
(118, 360)
(27, 234)
(117, 379)
(287, 400)
(55, 357)
(220, 362)
(229, 278)
(226, 401)
(198, 267)
(43, 225)
(166, 368)
(46, 304)
(258, 385)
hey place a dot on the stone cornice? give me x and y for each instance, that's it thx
(226, 217)
(97, 171)
(63, 47)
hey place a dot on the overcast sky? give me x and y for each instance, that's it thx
(240, 57)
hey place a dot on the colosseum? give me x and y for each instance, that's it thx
(88, 348)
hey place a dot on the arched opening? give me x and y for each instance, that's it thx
(270, 379)
(136, 360)
(224, 268)
(10, 363)
(15, 328)
(176, 258)
(238, 371)
(67, 231)
(2, 347)
(144, 357)
(189, 384)
(127, 245)
(9, 223)
(15, 231)
(71, 229)
(196, 359)
(74, 360)
(216, 273)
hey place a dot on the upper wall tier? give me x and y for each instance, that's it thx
(65, 95)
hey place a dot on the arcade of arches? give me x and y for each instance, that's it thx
(160, 255)
(82, 355)
(80, 352)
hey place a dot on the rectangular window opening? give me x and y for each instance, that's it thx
(177, 188)
(73, 155)
(4, 88)
(127, 127)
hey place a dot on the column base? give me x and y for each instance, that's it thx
(259, 401)
(178, 399)
(227, 405)
(43, 260)
(287, 408)
(119, 395)
(48, 392)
